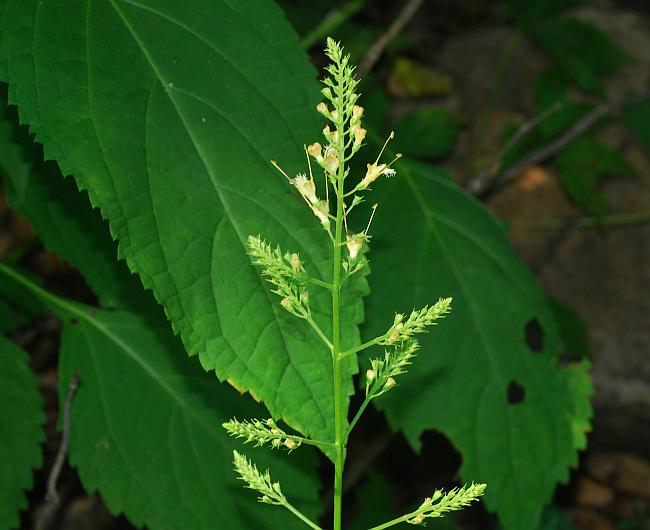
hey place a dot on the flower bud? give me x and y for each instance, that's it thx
(304, 297)
(359, 135)
(357, 112)
(295, 262)
(290, 444)
(327, 133)
(370, 376)
(354, 244)
(321, 210)
(390, 383)
(331, 160)
(322, 108)
(286, 303)
(392, 337)
(315, 150)
(334, 115)
(335, 137)
(275, 443)
(327, 92)
(418, 519)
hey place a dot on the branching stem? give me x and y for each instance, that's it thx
(362, 347)
(358, 415)
(301, 516)
(319, 331)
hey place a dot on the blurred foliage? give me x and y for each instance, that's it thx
(427, 133)
(408, 78)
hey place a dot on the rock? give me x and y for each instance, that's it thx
(627, 474)
(591, 520)
(591, 494)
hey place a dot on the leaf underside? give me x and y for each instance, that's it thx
(517, 418)
(168, 117)
(21, 431)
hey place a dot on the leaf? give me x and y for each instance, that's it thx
(146, 426)
(58, 213)
(581, 167)
(556, 519)
(374, 502)
(11, 317)
(528, 13)
(21, 432)
(583, 52)
(427, 133)
(572, 329)
(551, 89)
(433, 240)
(169, 116)
(637, 118)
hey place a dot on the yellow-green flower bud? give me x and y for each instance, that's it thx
(354, 244)
(295, 262)
(357, 112)
(321, 210)
(370, 376)
(290, 444)
(359, 135)
(390, 383)
(322, 108)
(316, 150)
(286, 303)
(331, 160)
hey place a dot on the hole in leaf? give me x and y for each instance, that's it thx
(534, 335)
(516, 393)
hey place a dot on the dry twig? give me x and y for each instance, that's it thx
(483, 187)
(375, 51)
(52, 499)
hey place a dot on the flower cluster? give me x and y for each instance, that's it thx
(381, 377)
(451, 501)
(417, 322)
(285, 272)
(270, 492)
(261, 432)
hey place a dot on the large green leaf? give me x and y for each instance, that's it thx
(21, 431)
(582, 51)
(146, 426)
(62, 217)
(516, 417)
(168, 116)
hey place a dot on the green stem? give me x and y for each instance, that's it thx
(331, 21)
(340, 413)
(319, 332)
(357, 416)
(308, 441)
(393, 522)
(362, 347)
(320, 283)
(301, 516)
